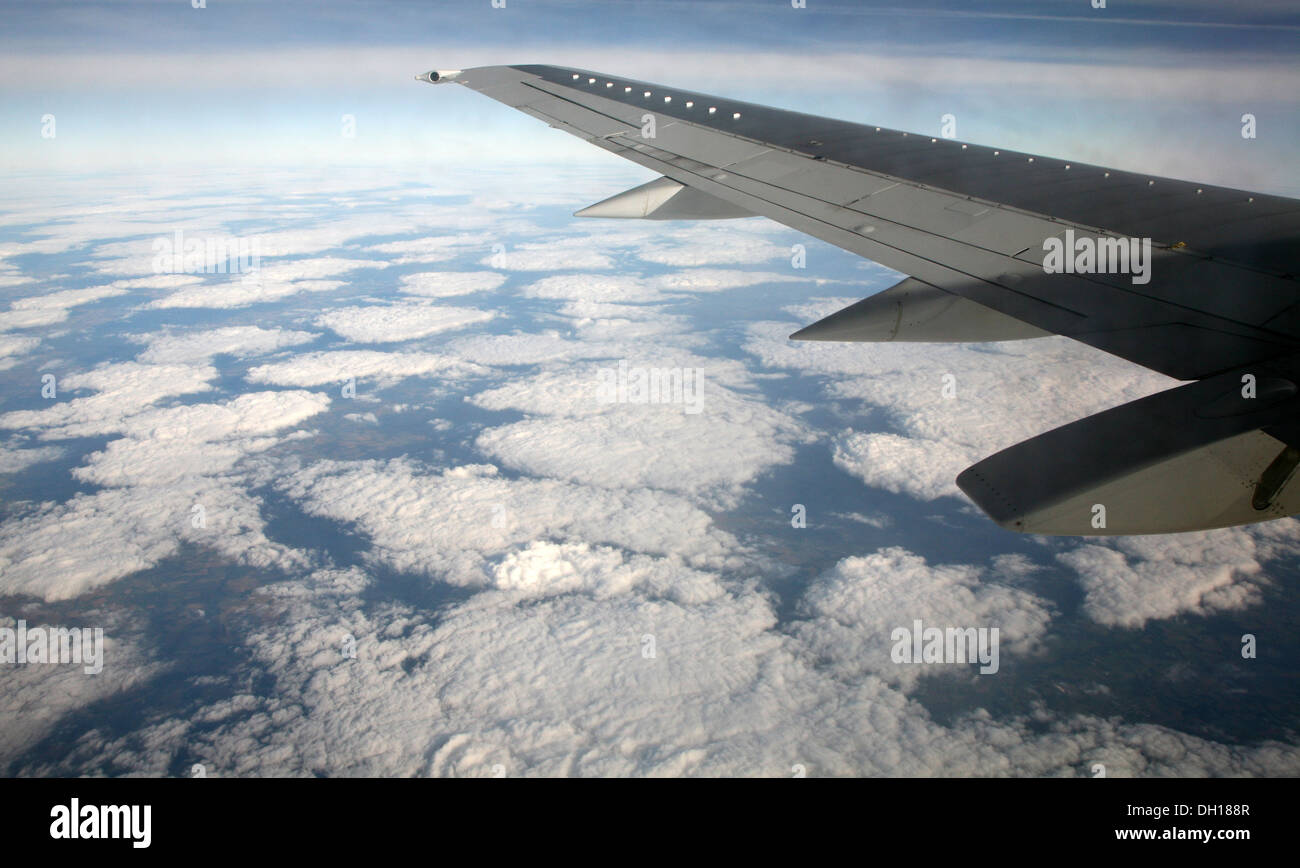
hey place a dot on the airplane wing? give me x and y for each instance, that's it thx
(1195, 281)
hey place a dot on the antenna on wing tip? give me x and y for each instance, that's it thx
(437, 76)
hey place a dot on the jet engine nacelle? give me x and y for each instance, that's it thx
(437, 76)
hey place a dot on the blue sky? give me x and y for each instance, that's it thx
(1156, 86)
(146, 83)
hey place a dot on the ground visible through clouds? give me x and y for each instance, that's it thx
(366, 510)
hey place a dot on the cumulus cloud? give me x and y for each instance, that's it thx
(121, 389)
(163, 447)
(603, 622)
(37, 696)
(904, 465)
(711, 245)
(372, 324)
(322, 368)
(442, 284)
(200, 346)
(853, 610)
(169, 484)
(696, 280)
(595, 287)
(271, 282)
(58, 551)
(14, 458)
(11, 346)
(996, 395)
(584, 661)
(573, 433)
(547, 257)
(446, 523)
(527, 348)
(626, 286)
(52, 307)
(1129, 581)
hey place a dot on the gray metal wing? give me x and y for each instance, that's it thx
(1208, 285)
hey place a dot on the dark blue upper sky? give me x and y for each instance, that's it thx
(147, 82)
(1011, 28)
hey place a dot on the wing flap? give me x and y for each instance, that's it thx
(914, 311)
(1191, 458)
(663, 199)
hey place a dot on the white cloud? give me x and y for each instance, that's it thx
(12, 345)
(572, 434)
(1129, 581)
(855, 607)
(121, 389)
(582, 661)
(547, 257)
(1002, 394)
(15, 458)
(442, 284)
(31, 318)
(323, 368)
(711, 245)
(595, 288)
(925, 469)
(37, 696)
(696, 280)
(64, 299)
(545, 569)
(164, 447)
(272, 282)
(59, 551)
(445, 524)
(525, 349)
(200, 346)
(172, 484)
(40, 310)
(372, 324)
